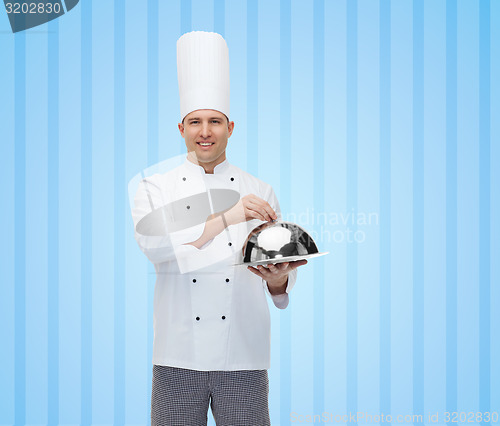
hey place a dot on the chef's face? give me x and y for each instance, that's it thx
(206, 132)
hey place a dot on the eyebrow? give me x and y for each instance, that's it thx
(198, 118)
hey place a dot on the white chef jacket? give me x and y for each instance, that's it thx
(208, 314)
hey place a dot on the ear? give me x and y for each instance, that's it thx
(181, 129)
(230, 128)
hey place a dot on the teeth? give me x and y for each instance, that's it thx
(205, 144)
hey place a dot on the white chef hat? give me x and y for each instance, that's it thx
(203, 72)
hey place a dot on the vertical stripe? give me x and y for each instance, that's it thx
(335, 176)
(385, 206)
(119, 212)
(252, 87)
(220, 17)
(20, 226)
(153, 62)
(484, 207)
(36, 288)
(286, 197)
(53, 223)
(70, 214)
(451, 205)
(495, 205)
(86, 203)
(186, 26)
(434, 206)
(8, 370)
(367, 237)
(153, 140)
(402, 211)
(185, 16)
(319, 202)
(418, 207)
(139, 300)
(467, 210)
(352, 204)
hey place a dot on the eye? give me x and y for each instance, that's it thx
(216, 121)
(194, 122)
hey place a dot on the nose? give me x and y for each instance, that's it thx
(205, 130)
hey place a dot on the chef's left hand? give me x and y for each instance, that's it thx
(276, 275)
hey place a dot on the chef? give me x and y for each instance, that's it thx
(211, 317)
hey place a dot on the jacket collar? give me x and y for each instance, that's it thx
(219, 168)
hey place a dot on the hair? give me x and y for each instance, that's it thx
(217, 111)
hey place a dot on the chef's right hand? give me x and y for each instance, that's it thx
(248, 208)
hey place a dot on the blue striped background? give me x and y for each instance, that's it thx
(382, 109)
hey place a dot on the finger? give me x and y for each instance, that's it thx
(256, 206)
(297, 263)
(256, 214)
(264, 270)
(273, 268)
(264, 207)
(267, 210)
(256, 272)
(284, 265)
(251, 209)
(270, 211)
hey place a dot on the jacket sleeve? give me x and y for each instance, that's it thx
(160, 245)
(281, 300)
(153, 238)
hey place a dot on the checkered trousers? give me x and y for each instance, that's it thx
(181, 397)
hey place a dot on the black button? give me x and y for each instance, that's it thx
(230, 244)
(227, 280)
(223, 317)
(232, 179)
(183, 178)
(194, 280)
(188, 207)
(197, 318)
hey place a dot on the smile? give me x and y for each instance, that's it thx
(205, 143)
